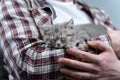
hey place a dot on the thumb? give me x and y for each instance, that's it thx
(99, 45)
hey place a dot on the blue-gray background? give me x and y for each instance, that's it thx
(111, 7)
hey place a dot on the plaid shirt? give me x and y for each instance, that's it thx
(24, 56)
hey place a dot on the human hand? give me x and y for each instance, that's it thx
(115, 39)
(104, 66)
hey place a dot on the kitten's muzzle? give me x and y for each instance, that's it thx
(58, 45)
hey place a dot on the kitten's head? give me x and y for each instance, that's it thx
(57, 36)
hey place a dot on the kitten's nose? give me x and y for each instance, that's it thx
(58, 44)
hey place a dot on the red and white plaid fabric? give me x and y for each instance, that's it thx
(24, 56)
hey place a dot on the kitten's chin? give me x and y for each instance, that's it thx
(60, 47)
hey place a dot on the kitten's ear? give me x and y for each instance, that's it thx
(70, 24)
(44, 29)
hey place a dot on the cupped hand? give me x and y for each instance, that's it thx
(104, 66)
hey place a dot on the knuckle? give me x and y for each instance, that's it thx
(98, 42)
(100, 60)
(83, 56)
(103, 62)
(98, 70)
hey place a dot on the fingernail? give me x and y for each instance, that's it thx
(60, 60)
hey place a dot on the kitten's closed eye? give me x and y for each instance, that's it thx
(70, 34)
(63, 39)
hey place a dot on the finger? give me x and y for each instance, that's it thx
(79, 65)
(78, 74)
(85, 56)
(99, 45)
(70, 78)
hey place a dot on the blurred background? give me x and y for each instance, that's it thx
(111, 7)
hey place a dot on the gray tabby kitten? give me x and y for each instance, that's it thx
(67, 35)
